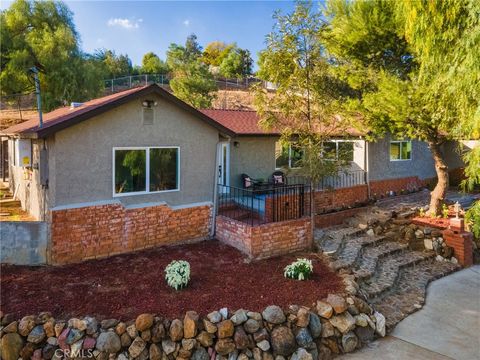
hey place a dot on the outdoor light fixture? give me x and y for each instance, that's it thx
(236, 144)
(149, 103)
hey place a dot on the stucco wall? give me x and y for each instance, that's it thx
(82, 154)
(23, 242)
(254, 156)
(380, 166)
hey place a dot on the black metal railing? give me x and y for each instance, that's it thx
(266, 205)
(342, 180)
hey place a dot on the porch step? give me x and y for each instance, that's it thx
(351, 252)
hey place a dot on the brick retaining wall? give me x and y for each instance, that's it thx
(267, 240)
(330, 199)
(335, 218)
(88, 232)
(381, 187)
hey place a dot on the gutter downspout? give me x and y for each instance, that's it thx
(367, 169)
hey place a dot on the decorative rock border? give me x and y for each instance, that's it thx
(338, 324)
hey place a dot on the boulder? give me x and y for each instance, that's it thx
(49, 328)
(240, 338)
(209, 326)
(364, 334)
(283, 341)
(108, 342)
(200, 354)
(12, 344)
(26, 325)
(361, 320)
(260, 335)
(264, 345)
(205, 339)
(327, 330)
(239, 317)
(62, 339)
(301, 354)
(37, 335)
(251, 326)
(168, 346)
(176, 330)
(188, 344)
(158, 332)
(225, 329)
(74, 335)
(77, 324)
(144, 322)
(315, 325)
(214, 317)
(132, 331)
(89, 343)
(274, 314)
(59, 328)
(224, 346)
(126, 340)
(349, 342)
(379, 323)
(338, 303)
(324, 309)
(137, 347)
(109, 323)
(190, 324)
(303, 317)
(343, 322)
(303, 337)
(155, 353)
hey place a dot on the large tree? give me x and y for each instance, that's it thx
(409, 61)
(306, 104)
(114, 65)
(42, 34)
(152, 64)
(237, 64)
(192, 81)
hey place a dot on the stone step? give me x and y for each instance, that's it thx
(372, 255)
(351, 252)
(388, 271)
(331, 240)
(409, 295)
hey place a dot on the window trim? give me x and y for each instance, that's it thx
(147, 160)
(289, 159)
(400, 153)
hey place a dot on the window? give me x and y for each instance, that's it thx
(287, 156)
(143, 170)
(400, 150)
(338, 150)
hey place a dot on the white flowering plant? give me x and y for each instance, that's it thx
(177, 274)
(299, 270)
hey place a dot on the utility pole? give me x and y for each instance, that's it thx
(34, 70)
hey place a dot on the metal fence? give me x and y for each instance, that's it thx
(266, 205)
(342, 180)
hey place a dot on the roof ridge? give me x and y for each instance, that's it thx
(237, 110)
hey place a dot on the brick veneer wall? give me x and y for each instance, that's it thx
(380, 187)
(335, 218)
(83, 233)
(267, 240)
(330, 199)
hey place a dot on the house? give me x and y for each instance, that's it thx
(141, 168)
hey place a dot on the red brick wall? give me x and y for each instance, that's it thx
(380, 187)
(97, 231)
(335, 218)
(462, 244)
(267, 240)
(330, 199)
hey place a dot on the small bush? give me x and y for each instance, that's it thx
(445, 211)
(177, 274)
(299, 270)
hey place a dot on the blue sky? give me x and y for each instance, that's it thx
(136, 27)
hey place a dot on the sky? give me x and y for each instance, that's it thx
(137, 27)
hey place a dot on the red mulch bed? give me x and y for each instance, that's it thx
(127, 285)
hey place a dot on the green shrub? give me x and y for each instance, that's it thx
(177, 274)
(299, 270)
(473, 219)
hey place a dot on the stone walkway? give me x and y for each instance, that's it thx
(446, 328)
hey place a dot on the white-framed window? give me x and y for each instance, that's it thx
(287, 156)
(338, 150)
(145, 170)
(400, 150)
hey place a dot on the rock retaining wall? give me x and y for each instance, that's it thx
(333, 326)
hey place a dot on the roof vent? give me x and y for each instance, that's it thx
(74, 105)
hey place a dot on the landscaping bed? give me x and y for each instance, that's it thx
(125, 286)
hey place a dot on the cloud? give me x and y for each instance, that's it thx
(125, 23)
(186, 22)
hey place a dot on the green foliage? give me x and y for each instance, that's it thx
(192, 81)
(445, 211)
(306, 106)
(299, 270)
(114, 65)
(215, 52)
(177, 274)
(473, 219)
(42, 34)
(152, 64)
(237, 64)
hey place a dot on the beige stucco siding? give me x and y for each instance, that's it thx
(82, 154)
(254, 156)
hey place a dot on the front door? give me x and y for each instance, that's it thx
(223, 166)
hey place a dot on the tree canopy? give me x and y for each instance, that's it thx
(152, 64)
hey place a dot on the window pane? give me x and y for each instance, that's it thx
(296, 156)
(130, 171)
(163, 169)
(281, 155)
(330, 150)
(345, 151)
(394, 151)
(406, 150)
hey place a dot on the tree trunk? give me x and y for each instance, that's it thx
(312, 215)
(437, 196)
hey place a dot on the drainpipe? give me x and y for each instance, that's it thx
(367, 169)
